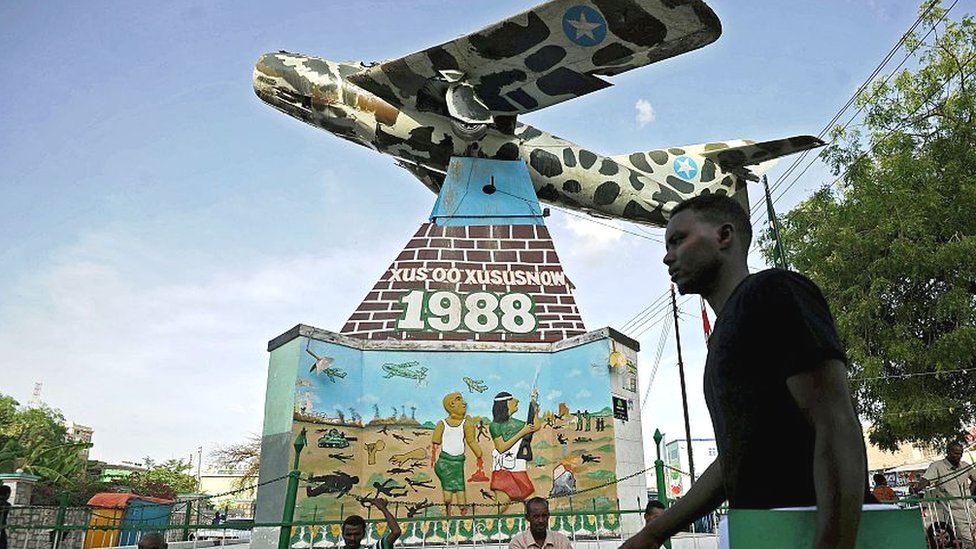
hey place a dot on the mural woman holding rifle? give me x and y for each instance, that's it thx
(512, 439)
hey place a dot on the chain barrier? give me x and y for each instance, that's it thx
(363, 498)
(190, 501)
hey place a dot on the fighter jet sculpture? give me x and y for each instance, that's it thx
(462, 98)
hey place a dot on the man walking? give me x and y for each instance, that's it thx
(538, 536)
(775, 380)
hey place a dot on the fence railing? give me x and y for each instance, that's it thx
(947, 523)
(40, 531)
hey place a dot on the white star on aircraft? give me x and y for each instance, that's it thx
(584, 27)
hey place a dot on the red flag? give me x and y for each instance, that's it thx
(706, 326)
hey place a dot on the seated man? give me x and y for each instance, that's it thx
(653, 510)
(354, 528)
(538, 535)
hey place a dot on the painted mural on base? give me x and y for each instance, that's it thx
(440, 433)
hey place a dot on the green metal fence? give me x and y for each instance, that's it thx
(85, 527)
(946, 521)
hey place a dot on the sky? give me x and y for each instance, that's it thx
(159, 224)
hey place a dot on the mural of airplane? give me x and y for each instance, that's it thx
(475, 386)
(408, 370)
(323, 365)
(463, 98)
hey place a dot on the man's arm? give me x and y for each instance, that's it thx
(469, 435)
(705, 495)
(839, 466)
(435, 442)
(392, 525)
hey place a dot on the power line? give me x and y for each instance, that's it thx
(641, 314)
(646, 313)
(664, 316)
(913, 374)
(782, 178)
(651, 316)
(657, 362)
(621, 229)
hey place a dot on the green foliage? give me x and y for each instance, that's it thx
(36, 441)
(894, 245)
(164, 480)
(601, 475)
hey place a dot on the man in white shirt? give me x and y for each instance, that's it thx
(954, 478)
(538, 536)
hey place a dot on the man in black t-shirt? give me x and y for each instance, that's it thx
(775, 384)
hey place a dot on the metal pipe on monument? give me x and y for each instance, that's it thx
(291, 495)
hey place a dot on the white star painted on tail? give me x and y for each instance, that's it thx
(685, 168)
(584, 27)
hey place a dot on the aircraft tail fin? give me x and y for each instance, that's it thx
(762, 155)
(694, 169)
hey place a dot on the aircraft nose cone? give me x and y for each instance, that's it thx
(263, 79)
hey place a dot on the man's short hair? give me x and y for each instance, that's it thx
(719, 209)
(354, 520)
(879, 478)
(535, 501)
(653, 504)
(152, 540)
(5, 489)
(952, 445)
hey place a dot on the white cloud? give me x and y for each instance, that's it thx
(645, 112)
(584, 394)
(174, 344)
(553, 395)
(575, 372)
(593, 241)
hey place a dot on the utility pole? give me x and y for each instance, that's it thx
(779, 253)
(684, 391)
(200, 463)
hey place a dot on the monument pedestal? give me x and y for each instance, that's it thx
(470, 336)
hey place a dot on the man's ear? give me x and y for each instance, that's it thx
(726, 235)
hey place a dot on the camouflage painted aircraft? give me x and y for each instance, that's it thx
(475, 385)
(462, 98)
(323, 365)
(407, 370)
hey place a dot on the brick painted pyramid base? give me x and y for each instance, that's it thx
(483, 269)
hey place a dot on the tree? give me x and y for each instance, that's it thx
(163, 480)
(36, 441)
(245, 456)
(894, 245)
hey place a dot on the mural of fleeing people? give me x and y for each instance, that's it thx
(450, 437)
(509, 479)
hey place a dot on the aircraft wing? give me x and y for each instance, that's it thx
(543, 56)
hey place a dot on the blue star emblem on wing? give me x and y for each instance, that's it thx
(584, 26)
(685, 167)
